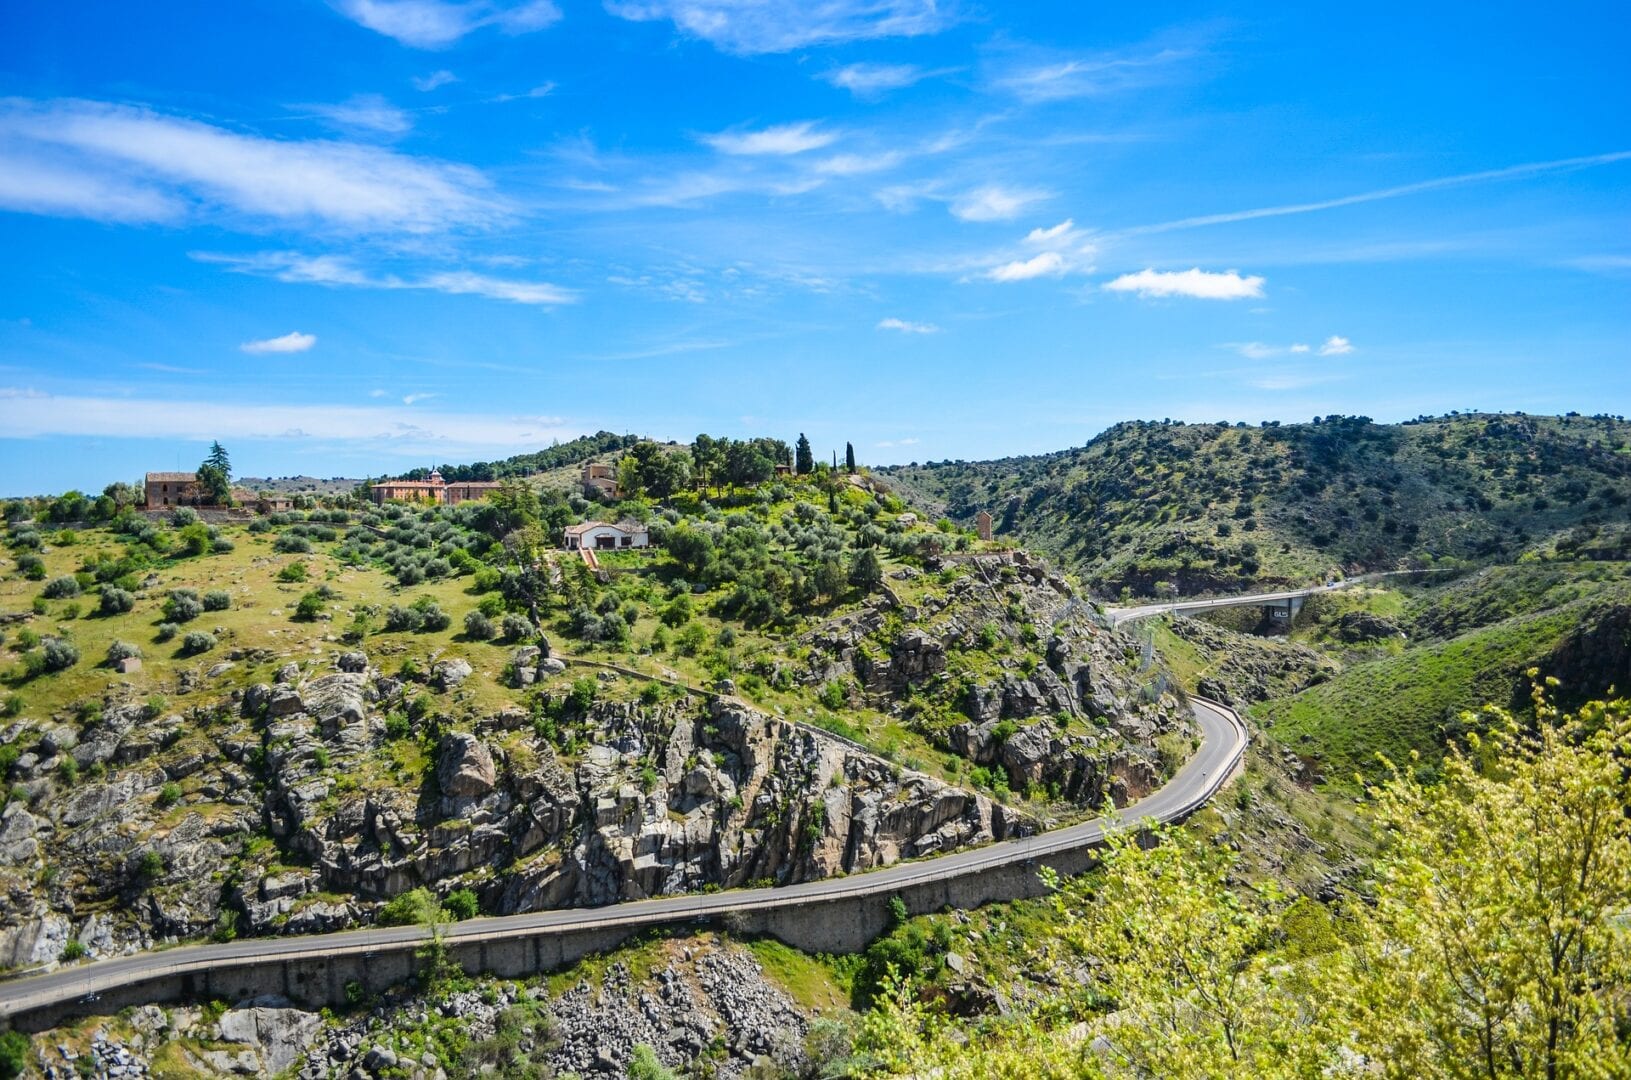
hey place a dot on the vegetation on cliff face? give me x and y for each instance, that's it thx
(1486, 941)
(1218, 507)
(279, 726)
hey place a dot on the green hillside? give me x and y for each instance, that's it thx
(1215, 507)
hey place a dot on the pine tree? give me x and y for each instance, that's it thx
(849, 458)
(803, 460)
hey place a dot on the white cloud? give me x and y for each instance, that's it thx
(518, 292)
(1058, 234)
(907, 327)
(1197, 284)
(1299, 348)
(292, 342)
(1336, 345)
(391, 428)
(871, 80)
(993, 203)
(887, 443)
(333, 270)
(366, 112)
(1058, 78)
(782, 139)
(379, 393)
(409, 399)
(773, 26)
(542, 90)
(857, 164)
(74, 155)
(1047, 264)
(45, 187)
(436, 24)
(427, 83)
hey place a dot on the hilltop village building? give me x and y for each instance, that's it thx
(601, 536)
(434, 490)
(174, 489)
(599, 481)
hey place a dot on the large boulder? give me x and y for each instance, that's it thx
(446, 674)
(336, 701)
(466, 768)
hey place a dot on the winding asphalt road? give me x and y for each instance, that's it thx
(1223, 743)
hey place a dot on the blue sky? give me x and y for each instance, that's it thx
(351, 237)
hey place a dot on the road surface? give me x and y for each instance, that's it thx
(1223, 742)
(1118, 616)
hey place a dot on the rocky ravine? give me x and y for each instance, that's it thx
(290, 809)
(1069, 704)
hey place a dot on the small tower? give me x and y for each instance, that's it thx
(982, 525)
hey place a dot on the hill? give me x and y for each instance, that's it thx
(290, 725)
(1148, 506)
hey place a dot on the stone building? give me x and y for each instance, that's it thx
(982, 525)
(434, 490)
(600, 536)
(174, 489)
(599, 481)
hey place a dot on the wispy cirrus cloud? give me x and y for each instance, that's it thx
(123, 163)
(365, 112)
(779, 140)
(906, 326)
(994, 202)
(1196, 284)
(875, 80)
(292, 342)
(1052, 76)
(426, 83)
(337, 271)
(751, 27)
(436, 24)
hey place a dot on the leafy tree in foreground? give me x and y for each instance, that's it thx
(1490, 941)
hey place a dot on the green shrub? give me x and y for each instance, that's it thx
(61, 588)
(491, 606)
(14, 1054)
(399, 619)
(32, 567)
(293, 572)
(115, 601)
(183, 605)
(74, 950)
(197, 641)
(59, 654)
(67, 770)
(169, 794)
(217, 600)
(291, 544)
(167, 631)
(121, 650)
(478, 627)
(310, 606)
(833, 695)
(461, 904)
(414, 907)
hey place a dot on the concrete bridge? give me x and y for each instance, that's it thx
(1283, 605)
(830, 915)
